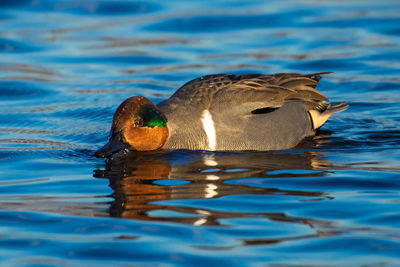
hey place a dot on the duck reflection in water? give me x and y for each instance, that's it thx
(142, 181)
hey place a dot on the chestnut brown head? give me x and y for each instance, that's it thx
(137, 125)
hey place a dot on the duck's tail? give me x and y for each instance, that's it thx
(321, 113)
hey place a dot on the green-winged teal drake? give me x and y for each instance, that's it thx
(224, 112)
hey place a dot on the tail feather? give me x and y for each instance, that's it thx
(319, 117)
(336, 107)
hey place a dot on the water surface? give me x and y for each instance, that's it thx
(66, 65)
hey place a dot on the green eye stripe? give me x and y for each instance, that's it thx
(151, 117)
(160, 122)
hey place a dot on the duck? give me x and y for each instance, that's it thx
(224, 112)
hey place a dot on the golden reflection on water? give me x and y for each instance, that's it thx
(201, 175)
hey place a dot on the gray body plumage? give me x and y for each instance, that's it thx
(250, 112)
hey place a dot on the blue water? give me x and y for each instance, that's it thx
(66, 65)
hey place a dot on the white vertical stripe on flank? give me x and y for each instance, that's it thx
(208, 125)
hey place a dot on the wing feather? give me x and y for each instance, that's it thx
(252, 91)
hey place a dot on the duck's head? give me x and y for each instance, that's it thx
(137, 125)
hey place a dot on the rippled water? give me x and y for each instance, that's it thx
(66, 65)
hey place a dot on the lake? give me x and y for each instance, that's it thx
(65, 66)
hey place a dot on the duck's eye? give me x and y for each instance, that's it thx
(137, 122)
